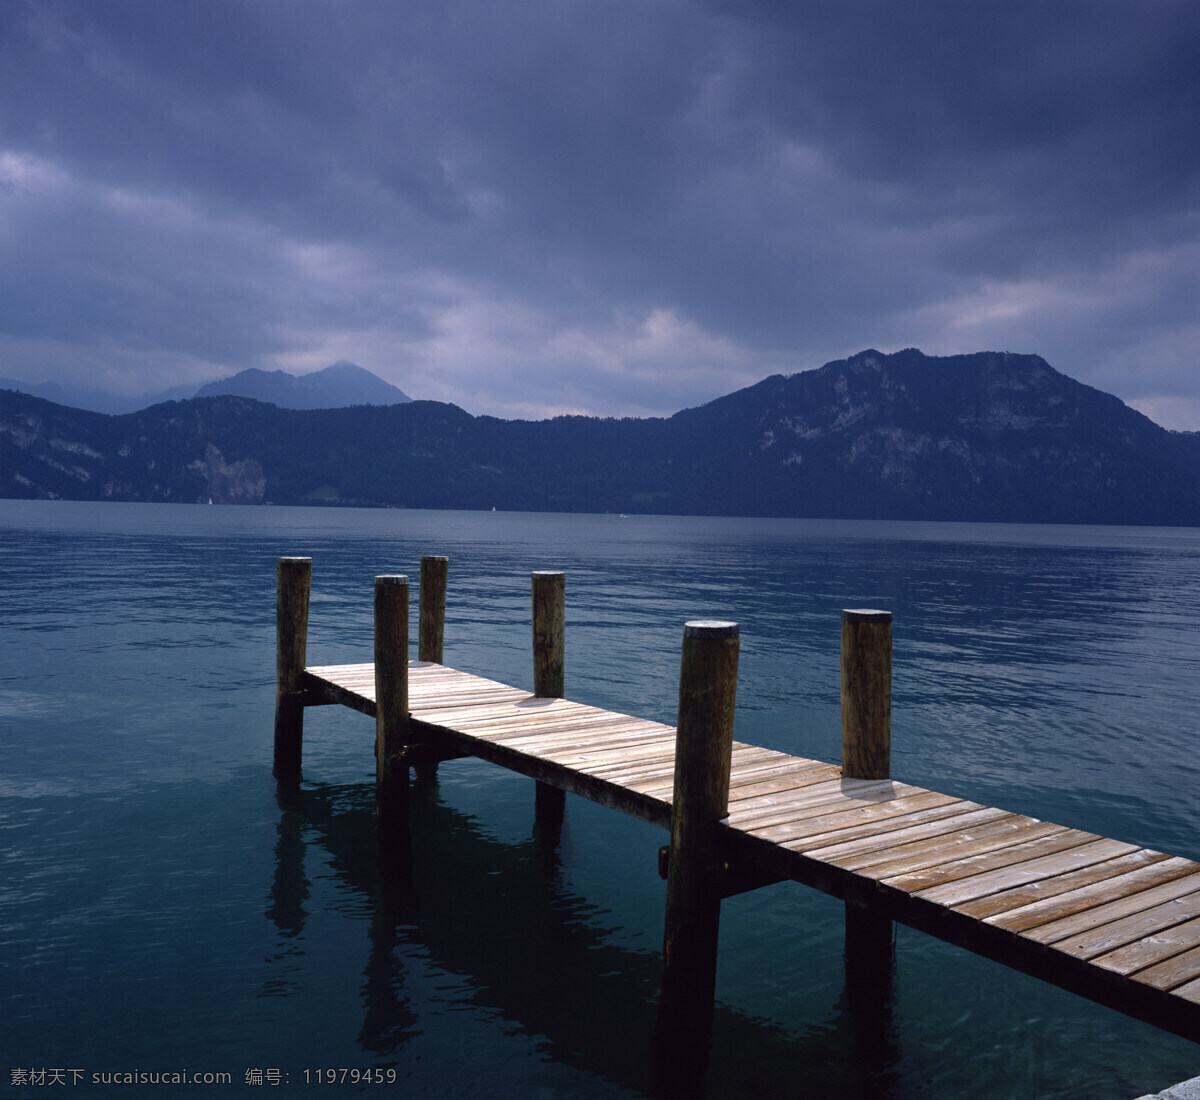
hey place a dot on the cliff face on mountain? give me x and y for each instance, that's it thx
(990, 436)
(987, 436)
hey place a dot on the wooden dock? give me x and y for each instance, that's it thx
(1109, 920)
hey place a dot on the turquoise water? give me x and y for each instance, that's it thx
(164, 910)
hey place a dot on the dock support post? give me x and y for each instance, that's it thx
(431, 629)
(549, 634)
(703, 753)
(866, 754)
(391, 703)
(866, 694)
(293, 583)
(431, 606)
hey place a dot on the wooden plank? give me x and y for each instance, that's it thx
(602, 752)
(822, 798)
(446, 681)
(879, 833)
(1035, 903)
(810, 786)
(332, 671)
(808, 797)
(515, 703)
(1120, 933)
(1150, 951)
(747, 760)
(848, 853)
(647, 779)
(658, 749)
(1064, 854)
(1040, 843)
(1180, 970)
(874, 817)
(468, 711)
(497, 724)
(582, 743)
(1105, 911)
(763, 757)
(1004, 832)
(593, 735)
(589, 731)
(451, 692)
(1189, 991)
(664, 777)
(779, 777)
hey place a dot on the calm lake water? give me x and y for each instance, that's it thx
(162, 909)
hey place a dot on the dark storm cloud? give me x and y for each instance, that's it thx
(613, 207)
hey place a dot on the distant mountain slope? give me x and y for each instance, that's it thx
(990, 436)
(987, 436)
(335, 387)
(84, 397)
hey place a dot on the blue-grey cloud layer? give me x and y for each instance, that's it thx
(604, 206)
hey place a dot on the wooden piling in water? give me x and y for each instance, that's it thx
(549, 645)
(549, 630)
(703, 749)
(391, 702)
(866, 754)
(431, 608)
(866, 694)
(293, 584)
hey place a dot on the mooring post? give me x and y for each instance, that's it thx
(703, 750)
(431, 610)
(549, 644)
(293, 583)
(391, 702)
(866, 754)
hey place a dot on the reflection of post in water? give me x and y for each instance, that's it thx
(703, 751)
(289, 887)
(874, 1049)
(341, 821)
(866, 754)
(388, 1018)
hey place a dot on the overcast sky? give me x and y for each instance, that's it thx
(603, 207)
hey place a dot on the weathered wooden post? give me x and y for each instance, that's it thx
(866, 694)
(431, 608)
(866, 754)
(549, 644)
(703, 750)
(391, 703)
(293, 583)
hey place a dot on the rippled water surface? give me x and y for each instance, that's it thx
(162, 908)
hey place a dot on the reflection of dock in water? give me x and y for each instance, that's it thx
(1111, 921)
(532, 950)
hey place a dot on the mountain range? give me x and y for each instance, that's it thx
(337, 386)
(991, 436)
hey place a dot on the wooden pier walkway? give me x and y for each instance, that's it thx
(1109, 920)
